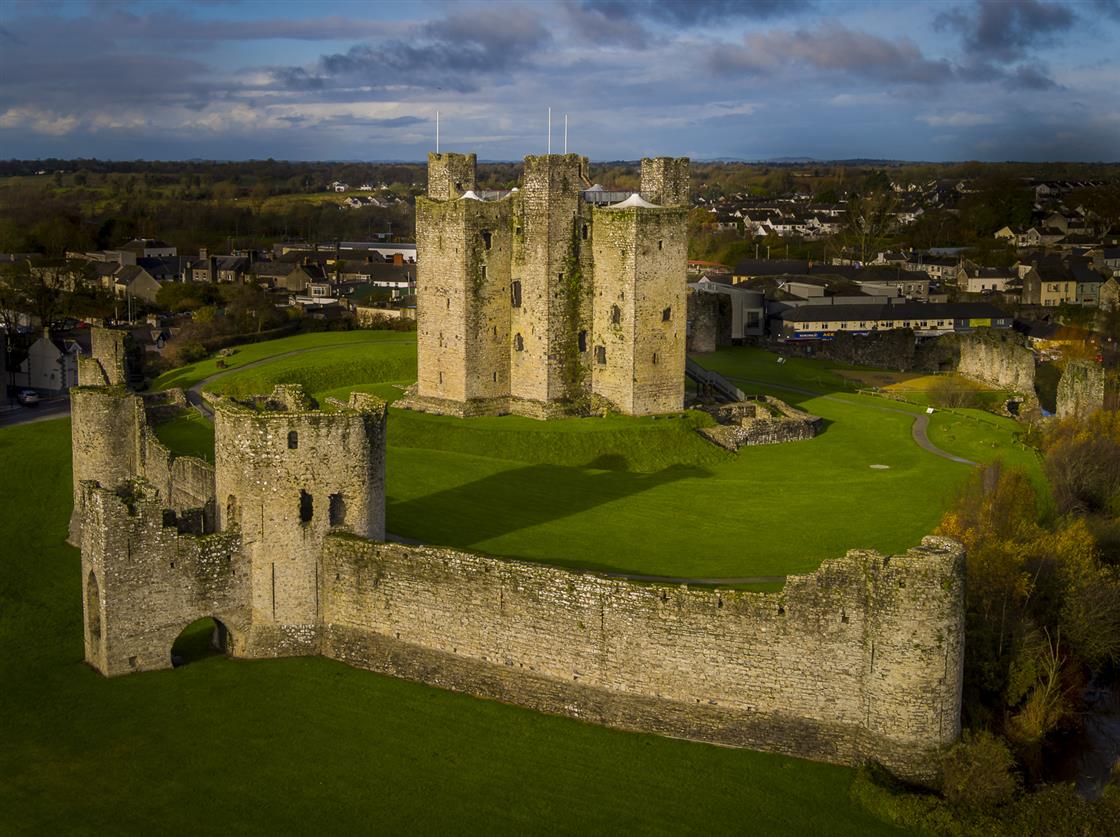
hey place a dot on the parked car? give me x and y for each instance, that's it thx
(27, 397)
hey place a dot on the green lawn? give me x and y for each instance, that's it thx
(649, 495)
(188, 434)
(188, 376)
(308, 745)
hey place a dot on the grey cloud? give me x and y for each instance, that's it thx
(10, 36)
(1002, 29)
(454, 53)
(1109, 8)
(1026, 77)
(697, 12)
(832, 48)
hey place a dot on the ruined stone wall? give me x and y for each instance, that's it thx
(109, 352)
(143, 581)
(709, 321)
(450, 175)
(999, 358)
(861, 659)
(640, 257)
(105, 436)
(1081, 389)
(665, 181)
(112, 442)
(893, 349)
(286, 475)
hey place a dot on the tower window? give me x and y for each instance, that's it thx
(660, 244)
(655, 358)
(337, 510)
(293, 440)
(494, 375)
(667, 314)
(515, 293)
(518, 343)
(584, 232)
(305, 507)
(449, 302)
(601, 355)
(582, 341)
(616, 315)
(486, 239)
(484, 271)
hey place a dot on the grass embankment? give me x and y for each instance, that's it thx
(191, 374)
(648, 495)
(310, 745)
(188, 434)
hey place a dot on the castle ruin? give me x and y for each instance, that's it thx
(282, 542)
(547, 300)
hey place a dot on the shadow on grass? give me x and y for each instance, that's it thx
(521, 498)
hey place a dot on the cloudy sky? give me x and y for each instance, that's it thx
(960, 79)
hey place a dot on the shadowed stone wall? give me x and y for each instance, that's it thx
(861, 659)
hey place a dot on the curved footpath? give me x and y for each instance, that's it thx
(919, 430)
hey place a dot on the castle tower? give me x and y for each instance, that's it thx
(641, 253)
(462, 295)
(287, 474)
(450, 175)
(665, 180)
(523, 307)
(546, 314)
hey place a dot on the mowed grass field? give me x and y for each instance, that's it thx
(648, 495)
(311, 746)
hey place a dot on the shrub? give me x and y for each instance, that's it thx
(979, 773)
(951, 391)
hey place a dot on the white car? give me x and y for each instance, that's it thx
(27, 397)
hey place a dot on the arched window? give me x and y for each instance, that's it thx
(293, 440)
(306, 509)
(616, 315)
(518, 343)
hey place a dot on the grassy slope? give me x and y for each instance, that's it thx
(648, 495)
(307, 745)
(188, 434)
(188, 376)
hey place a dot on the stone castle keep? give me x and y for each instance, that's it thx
(282, 540)
(546, 300)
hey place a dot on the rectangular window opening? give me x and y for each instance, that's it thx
(337, 510)
(305, 507)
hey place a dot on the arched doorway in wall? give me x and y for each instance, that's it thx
(203, 638)
(93, 614)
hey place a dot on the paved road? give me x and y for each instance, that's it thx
(919, 429)
(43, 411)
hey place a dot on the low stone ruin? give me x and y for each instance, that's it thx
(759, 420)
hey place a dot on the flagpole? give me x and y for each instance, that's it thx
(565, 133)
(437, 132)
